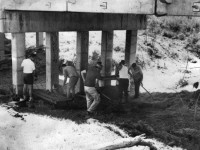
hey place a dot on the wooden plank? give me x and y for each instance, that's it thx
(51, 97)
(18, 53)
(179, 8)
(92, 6)
(59, 21)
(113, 6)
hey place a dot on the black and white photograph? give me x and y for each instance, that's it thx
(99, 75)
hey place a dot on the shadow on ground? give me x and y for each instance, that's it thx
(173, 118)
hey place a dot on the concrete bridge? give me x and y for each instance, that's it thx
(53, 16)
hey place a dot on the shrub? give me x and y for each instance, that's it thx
(182, 83)
(174, 55)
(174, 24)
(168, 34)
(118, 49)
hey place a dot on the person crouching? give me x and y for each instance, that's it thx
(69, 71)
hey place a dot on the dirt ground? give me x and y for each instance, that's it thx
(172, 118)
(167, 117)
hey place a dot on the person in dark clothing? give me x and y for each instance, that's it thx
(91, 81)
(136, 74)
(69, 71)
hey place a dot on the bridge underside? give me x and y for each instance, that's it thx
(51, 23)
(53, 16)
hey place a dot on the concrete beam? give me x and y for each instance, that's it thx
(52, 60)
(131, 46)
(82, 56)
(2, 46)
(113, 6)
(91, 6)
(39, 38)
(36, 5)
(107, 53)
(59, 21)
(18, 53)
(178, 7)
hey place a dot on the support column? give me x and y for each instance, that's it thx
(131, 46)
(18, 53)
(2, 46)
(82, 56)
(39, 39)
(52, 60)
(107, 53)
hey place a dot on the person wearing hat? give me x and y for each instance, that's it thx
(29, 74)
(69, 71)
(136, 74)
(91, 81)
(122, 73)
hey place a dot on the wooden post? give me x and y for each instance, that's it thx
(2, 46)
(82, 56)
(39, 39)
(18, 53)
(52, 60)
(131, 46)
(106, 53)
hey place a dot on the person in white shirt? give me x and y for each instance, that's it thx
(28, 76)
(123, 80)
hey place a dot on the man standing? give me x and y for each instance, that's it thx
(28, 77)
(91, 81)
(135, 72)
(123, 80)
(69, 71)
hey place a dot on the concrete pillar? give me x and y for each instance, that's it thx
(52, 60)
(82, 55)
(2, 46)
(39, 38)
(18, 54)
(107, 53)
(131, 46)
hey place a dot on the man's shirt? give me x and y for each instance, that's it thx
(70, 71)
(123, 72)
(91, 75)
(28, 66)
(136, 72)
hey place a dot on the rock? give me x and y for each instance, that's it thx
(181, 36)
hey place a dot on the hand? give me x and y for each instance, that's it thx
(98, 89)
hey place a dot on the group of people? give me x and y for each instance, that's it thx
(132, 75)
(92, 75)
(90, 78)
